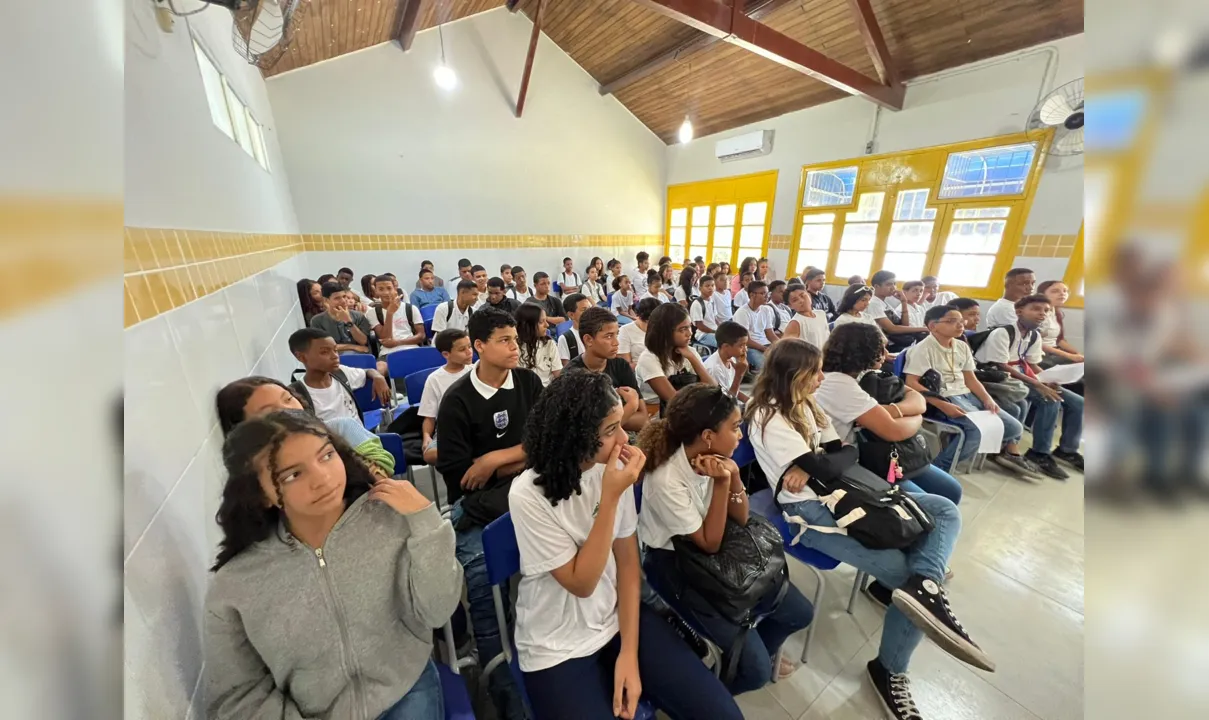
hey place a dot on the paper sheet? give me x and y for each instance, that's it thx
(1062, 374)
(991, 428)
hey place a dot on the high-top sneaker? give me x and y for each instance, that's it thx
(894, 690)
(925, 603)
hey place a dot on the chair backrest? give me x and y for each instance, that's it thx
(393, 444)
(365, 361)
(428, 312)
(500, 552)
(562, 327)
(638, 496)
(405, 362)
(745, 454)
(556, 288)
(415, 384)
(900, 363)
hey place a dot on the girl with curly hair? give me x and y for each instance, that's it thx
(310, 299)
(578, 613)
(670, 361)
(539, 352)
(306, 530)
(691, 488)
(787, 428)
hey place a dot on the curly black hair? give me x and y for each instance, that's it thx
(563, 430)
(853, 348)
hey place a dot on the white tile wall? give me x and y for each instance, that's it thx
(173, 476)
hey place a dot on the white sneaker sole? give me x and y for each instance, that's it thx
(938, 633)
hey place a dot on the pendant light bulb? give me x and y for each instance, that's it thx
(685, 134)
(445, 77)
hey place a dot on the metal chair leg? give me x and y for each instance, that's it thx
(818, 600)
(436, 492)
(857, 586)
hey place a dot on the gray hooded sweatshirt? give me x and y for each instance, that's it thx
(340, 632)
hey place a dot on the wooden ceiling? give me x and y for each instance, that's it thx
(720, 86)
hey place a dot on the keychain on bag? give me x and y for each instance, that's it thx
(894, 473)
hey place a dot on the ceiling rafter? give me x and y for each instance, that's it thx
(405, 29)
(875, 42)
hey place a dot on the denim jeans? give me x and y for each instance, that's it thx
(469, 551)
(934, 481)
(1012, 431)
(892, 568)
(707, 339)
(1045, 421)
(755, 360)
(424, 701)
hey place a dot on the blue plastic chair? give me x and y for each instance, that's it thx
(562, 327)
(414, 383)
(426, 314)
(556, 288)
(365, 361)
(405, 362)
(453, 687)
(623, 320)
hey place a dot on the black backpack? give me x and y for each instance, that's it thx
(912, 454)
(776, 318)
(978, 339)
(298, 386)
(449, 306)
(572, 345)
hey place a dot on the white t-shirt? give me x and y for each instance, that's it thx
(568, 279)
(480, 302)
(703, 311)
(756, 322)
(519, 296)
(631, 340)
(841, 397)
(638, 280)
(564, 350)
(621, 302)
(594, 291)
(1050, 330)
(997, 348)
(552, 625)
(661, 297)
(675, 500)
(1003, 312)
(915, 314)
(813, 330)
(721, 299)
(845, 318)
(680, 296)
(722, 373)
(742, 298)
(401, 329)
(944, 297)
(457, 319)
(877, 308)
(546, 361)
(435, 386)
(777, 445)
(649, 367)
(333, 401)
(951, 363)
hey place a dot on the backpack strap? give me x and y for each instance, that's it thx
(776, 319)
(339, 376)
(449, 311)
(572, 344)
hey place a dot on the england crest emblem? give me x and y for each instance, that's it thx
(501, 419)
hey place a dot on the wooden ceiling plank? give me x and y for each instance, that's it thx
(408, 14)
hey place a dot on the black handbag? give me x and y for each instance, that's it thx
(912, 454)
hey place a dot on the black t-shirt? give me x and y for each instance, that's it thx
(470, 426)
(508, 305)
(552, 305)
(618, 370)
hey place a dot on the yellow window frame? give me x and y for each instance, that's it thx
(736, 190)
(1074, 277)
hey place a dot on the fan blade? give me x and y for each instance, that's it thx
(1069, 143)
(1055, 109)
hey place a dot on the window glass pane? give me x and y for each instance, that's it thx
(753, 213)
(815, 237)
(853, 262)
(819, 218)
(679, 217)
(752, 237)
(868, 208)
(264, 148)
(858, 236)
(698, 236)
(239, 118)
(721, 255)
(676, 251)
(827, 188)
(257, 140)
(724, 236)
(676, 236)
(995, 212)
(812, 258)
(989, 172)
(724, 215)
(910, 237)
(912, 205)
(907, 266)
(213, 84)
(966, 270)
(975, 237)
(701, 215)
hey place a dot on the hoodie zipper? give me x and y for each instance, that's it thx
(347, 657)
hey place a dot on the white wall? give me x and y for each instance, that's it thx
(371, 144)
(182, 172)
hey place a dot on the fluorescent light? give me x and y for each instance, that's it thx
(685, 134)
(445, 77)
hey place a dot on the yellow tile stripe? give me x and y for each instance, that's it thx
(320, 242)
(779, 242)
(1047, 245)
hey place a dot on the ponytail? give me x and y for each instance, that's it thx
(655, 440)
(692, 411)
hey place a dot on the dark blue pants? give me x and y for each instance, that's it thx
(673, 680)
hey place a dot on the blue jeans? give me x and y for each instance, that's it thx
(708, 340)
(755, 360)
(1045, 421)
(1013, 430)
(424, 701)
(934, 481)
(469, 551)
(892, 568)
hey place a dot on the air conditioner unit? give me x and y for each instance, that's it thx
(748, 145)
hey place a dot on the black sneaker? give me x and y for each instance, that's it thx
(1047, 465)
(926, 604)
(1018, 465)
(879, 593)
(894, 690)
(1073, 459)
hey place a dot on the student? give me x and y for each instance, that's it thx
(614, 268)
(704, 314)
(853, 307)
(506, 276)
(569, 343)
(623, 301)
(670, 357)
(479, 274)
(464, 272)
(344, 277)
(587, 646)
(816, 280)
(592, 287)
(728, 365)
(638, 275)
(933, 295)
(368, 292)
(454, 346)
(807, 323)
(741, 297)
(349, 328)
(787, 427)
(568, 280)
(776, 302)
(758, 323)
(971, 312)
(724, 267)
(856, 280)
(436, 281)
(427, 292)
(764, 271)
(456, 313)
(399, 324)
(721, 297)
(599, 331)
(327, 385)
(519, 291)
(691, 489)
(687, 287)
(654, 287)
(552, 305)
(667, 279)
(1054, 344)
(497, 299)
(1019, 354)
(325, 279)
(912, 307)
(747, 267)
(298, 505)
(480, 424)
(538, 351)
(960, 392)
(632, 338)
(256, 396)
(597, 263)
(1017, 284)
(310, 299)
(899, 335)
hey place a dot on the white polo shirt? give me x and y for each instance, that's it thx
(756, 322)
(952, 363)
(401, 329)
(446, 318)
(777, 445)
(552, 625)
(435, 385)
(1003, 312)
(675, 500)
(704, 311)
(841, 397)
(877, 308)
(519, 296)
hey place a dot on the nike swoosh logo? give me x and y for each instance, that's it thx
(500, 435)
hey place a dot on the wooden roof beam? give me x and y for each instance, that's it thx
(534, 36)
(407, 25)
(875, 43)
(728, 24)
(759, 10)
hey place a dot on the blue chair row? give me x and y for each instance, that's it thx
(453, 687)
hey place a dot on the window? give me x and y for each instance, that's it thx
(859, 236)
(259, 150)
(239, 118)
(972, 246)
(910, 235)
(677, 232)
(987, 173)
(228, 112)
(720, 220)
(814, 241)
(751, 233)
(698, 236)
(830, 188)
(213, 82)
(724, 233)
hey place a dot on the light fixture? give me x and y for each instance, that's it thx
(443, 75)
(685, 133)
